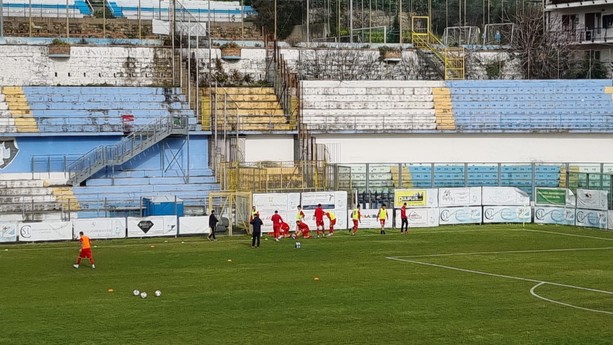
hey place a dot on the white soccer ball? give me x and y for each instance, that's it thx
(143, 294)
(158, 293)
(136, 292)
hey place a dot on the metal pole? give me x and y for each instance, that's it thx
(139, 21)
(308, 33)
(350, 21)
(2, 19)
(103, 18)
(67, 22)
(275, 34)
(400, 21)
(30, 18)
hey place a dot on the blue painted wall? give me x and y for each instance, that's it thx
(169, 157)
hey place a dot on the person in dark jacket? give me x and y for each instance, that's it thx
(212, 225)
(257, 230)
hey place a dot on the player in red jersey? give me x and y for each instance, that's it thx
(276, 225)
(319, 220)
(284, 229)
(86, 251)
(303, 230)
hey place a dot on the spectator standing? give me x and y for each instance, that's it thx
(256, 222)
(404, 220)
(212, 225)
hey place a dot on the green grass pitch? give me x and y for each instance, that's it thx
(498, 284)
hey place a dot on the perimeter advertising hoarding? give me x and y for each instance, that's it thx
(460, 215)
(507, 214)
(591, 218)
(467, 196)
(416, 197)
(554, 215)
(44, 231)
(8, 232)
(419, 217)
(504, 196)
(99, 228)
(554, 197)
(592, 199)
(152, 226)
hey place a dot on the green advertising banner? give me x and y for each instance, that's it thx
(551, 196)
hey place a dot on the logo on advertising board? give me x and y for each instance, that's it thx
(8, 152)
(413, 197)
(145, 225)
(25, 231)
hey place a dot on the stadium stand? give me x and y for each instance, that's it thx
(220, 11)
(520, 175)
(47, 8)
(255, 109)
(529, 105)
(93, 109)
(55, 126)
(369, 106)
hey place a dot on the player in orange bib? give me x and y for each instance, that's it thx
(86, 251)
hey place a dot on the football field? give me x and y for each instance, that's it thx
(494, 284)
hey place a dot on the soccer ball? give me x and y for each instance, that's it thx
(143, 294)
(158, 293)
(297, 245)
(136, 292)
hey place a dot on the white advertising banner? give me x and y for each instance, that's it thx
(591, 218)
(610, 220)
(101, 227)
(460, 215)
(194, 225)
(310, 200)
(507, 214)
(592, 199)
(370, 221)
(416, 197)
(419, 217)
(469, 196)
(554, 215)
(340, 201)
(152, 226)
(8, 232)
(274, 201)
(44, 231)
(504, 196)
(288, 216)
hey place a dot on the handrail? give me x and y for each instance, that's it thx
(131, 145)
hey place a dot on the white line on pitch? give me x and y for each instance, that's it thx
(565, 234)
(498, 275)
(562, 303)
(504, 252)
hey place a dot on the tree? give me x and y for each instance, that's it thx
(543, 54)
(289, 14)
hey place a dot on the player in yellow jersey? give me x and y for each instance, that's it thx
(86, 251)
(382, 217)
(332, 219)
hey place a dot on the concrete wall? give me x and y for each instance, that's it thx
(494, 148)
(87, 65)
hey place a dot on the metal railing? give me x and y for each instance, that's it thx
(127, 148)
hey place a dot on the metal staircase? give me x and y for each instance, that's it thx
(452, 58)
(129, 147)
